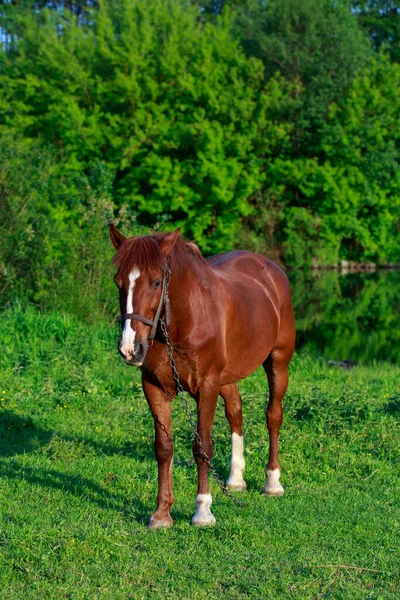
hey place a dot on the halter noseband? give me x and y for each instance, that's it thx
(164, 299)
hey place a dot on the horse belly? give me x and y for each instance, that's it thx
(250, 337)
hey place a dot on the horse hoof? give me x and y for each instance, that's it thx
(273, 492)
(203, 516)
(273, 486)
(160, 523)
(236, 487)
(204, 521)
(277, 491)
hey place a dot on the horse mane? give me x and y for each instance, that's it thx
(144, 253)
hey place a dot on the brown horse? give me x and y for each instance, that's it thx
(226, 316)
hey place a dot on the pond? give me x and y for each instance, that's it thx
(348, 316)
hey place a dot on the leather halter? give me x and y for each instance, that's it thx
(164, 300)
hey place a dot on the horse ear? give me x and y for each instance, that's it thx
(169, 241)
(116, 237)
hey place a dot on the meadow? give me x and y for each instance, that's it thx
(78, 480)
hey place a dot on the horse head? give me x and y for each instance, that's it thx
(142, 279)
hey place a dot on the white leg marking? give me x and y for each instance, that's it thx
(235, 480)
(273, 486)
(128, 335)
(203, 515)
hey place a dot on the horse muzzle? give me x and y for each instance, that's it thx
(135, 354)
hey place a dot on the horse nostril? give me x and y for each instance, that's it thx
(139, 349)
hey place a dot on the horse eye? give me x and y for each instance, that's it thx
(156, 283)
(118, 283)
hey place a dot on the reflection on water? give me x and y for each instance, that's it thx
(348, 317)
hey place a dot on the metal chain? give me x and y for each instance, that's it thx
(202, 454)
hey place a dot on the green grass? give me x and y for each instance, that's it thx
(78, 480)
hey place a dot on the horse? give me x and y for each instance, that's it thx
(224, 317)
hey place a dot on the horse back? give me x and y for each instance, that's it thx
(249, 270)
(256, 310)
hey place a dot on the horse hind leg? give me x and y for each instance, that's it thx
(233, 411)
(276, 367)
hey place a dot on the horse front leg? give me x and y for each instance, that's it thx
(160, 406)
(206, 405)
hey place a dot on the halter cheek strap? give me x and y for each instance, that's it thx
(164, 300)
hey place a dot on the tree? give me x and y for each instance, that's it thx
(315, 44)
(291, 148)
(348, 205)
(54, 246)
(172, 106)
(381, 20)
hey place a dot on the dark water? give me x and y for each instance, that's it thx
(348, 317)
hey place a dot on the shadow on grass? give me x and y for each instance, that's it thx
(393, 406)
(81, 487)
(19, 435)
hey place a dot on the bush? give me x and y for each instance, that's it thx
(292, 149)
(54, 245)
(173, 107)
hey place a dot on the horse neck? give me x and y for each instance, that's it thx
(188, 291)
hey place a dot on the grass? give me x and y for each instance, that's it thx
(78, 480)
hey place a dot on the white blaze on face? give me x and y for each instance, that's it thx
(235, 479)
(128, 335)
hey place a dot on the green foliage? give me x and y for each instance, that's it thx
(175, 109)
(362, 143)
(26, 181)
(315, 44)
(381, 19)
(344, 203)
(271, 126)
(54, 246)
(78, 480)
